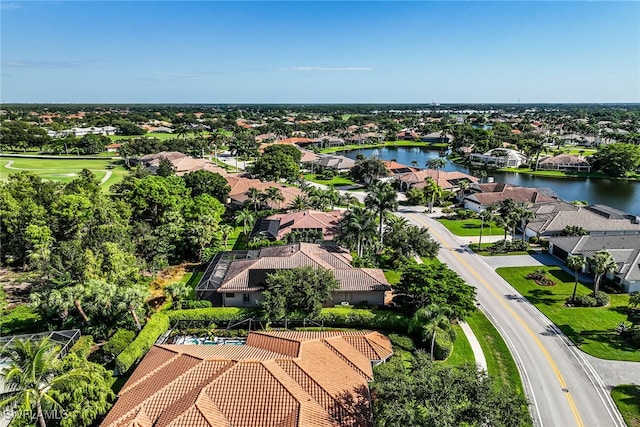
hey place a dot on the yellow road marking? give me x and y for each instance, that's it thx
(547, 356)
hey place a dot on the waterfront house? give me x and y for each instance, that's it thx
(449, 181)
(483, 196)
(498, 158)
(237, 278)
(565, 163)
(435, 137)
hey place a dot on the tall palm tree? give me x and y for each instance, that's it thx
(274, 194)
(245, 218)
(427, 321)
(254, 197)
(333, 196)
(226, 231)
(486, 216)
(381, 197)
(433, 191)
(349, 199)
(131, 298)
(463, 186)
(357, 230)
(30, 376)
(525, 216)
(576, 263)
(601, 263)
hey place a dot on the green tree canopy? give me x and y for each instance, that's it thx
(424, 284)
(368, 170)
(206, 182)
(299, 291)
(617, 159)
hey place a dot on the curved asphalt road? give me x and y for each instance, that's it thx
(563, 388)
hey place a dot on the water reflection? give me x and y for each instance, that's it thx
(622, 195)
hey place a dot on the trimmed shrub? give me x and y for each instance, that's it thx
(360, 318)
(443, 346)
(118, 343)
(83, 346)
(402, 341)
(540, 277)
(157, 325)
(189, 304)
(585, 301)
(214, 314)
(602, 299)
(505, 246)
(534, 239)
(634, 336)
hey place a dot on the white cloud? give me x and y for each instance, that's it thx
(316, 68)
(40, 64)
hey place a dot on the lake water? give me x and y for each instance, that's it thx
(623, 195)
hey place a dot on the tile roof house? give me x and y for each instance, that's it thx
(276, 227)
(338, 163)
(437, 137)
(279, 378)
(552, 217)
(236, 278)
(182, 164)
(446, 180)
(395, 168)
(490, 194)
(565, 162)
(240, 185)
(625, 250)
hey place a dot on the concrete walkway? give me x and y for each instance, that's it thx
(481, 361)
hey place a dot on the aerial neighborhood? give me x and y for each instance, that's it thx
(323, 265)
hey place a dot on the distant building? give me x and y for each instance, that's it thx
(498, 158)
(435, 137)
(565, 163)
(182, 164)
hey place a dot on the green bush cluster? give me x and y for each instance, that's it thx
(402, 341)
(118, 343)
(214, 314)
(189, 304)
(443, 345)
(157, 325)
(83, 346)
(505, 246)
(360, 318)
(600, 300)
(21, 319)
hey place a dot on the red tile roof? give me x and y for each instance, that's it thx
(327, 221)
(312, 379)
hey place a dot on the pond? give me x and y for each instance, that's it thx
(620, 194)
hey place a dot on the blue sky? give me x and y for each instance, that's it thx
(319, 52)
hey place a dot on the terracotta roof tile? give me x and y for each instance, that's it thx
(319, 383)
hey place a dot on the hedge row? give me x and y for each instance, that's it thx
(363, 318)
(83, 346)
(214, 314)
(157, 325)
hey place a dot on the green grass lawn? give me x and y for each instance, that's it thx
(64, 169)
(462, 353)
(500, 363)
(336, 181)
(592, 329)
(555, 174)
(470, 227)
(627, 398)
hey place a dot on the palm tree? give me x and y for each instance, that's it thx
(245, 218)
(427, 321)
(576, 263)
(226, 231)
(525, 216)
(381, 197)
(601, 263)
(349, 199)
(436, 163)
(254, 197)
(485, 216)
(299, 203)
(333, 196)
(463, 186)
(357, 230)
(433, 191)
(131, 298)
(273, 194)
(31, 375)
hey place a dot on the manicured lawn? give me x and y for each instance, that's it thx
(192, 279)
(555, 174)
(627, 398)
(64, 169)
(161, 136)
(592, 329)
(470, 227)
(500, 363)
(336, 181)
(233, 239)
(462, 352)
